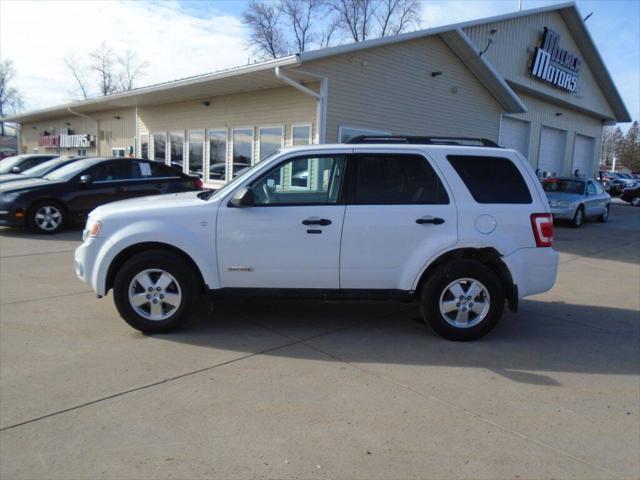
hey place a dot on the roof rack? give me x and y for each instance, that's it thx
(419, 140)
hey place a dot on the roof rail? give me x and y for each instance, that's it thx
(419, 140)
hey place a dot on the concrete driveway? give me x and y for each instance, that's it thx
(322, 390)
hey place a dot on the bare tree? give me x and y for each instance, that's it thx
(266, 37)
(301, 14)
(131, 68)
(396, 16)
(103, 63)
(10, 98)
(354, 17)
(80, 74)
(329, 32)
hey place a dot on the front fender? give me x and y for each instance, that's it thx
(195, 239)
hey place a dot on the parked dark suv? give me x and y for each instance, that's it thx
(69, 193)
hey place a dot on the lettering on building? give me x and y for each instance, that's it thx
(554, 64)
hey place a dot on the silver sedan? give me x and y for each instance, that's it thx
(576, 199)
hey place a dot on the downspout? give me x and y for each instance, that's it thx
(19, 137)
(321, 99)
(78, 114)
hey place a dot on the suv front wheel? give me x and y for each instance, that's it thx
(462, 300)
(156, 291)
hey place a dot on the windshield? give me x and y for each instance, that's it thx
(563, 186)
(43, 168)
(8, 163)
(69, 171)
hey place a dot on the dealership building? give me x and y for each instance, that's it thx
(532, 80)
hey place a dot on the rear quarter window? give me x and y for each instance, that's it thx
(491, 179)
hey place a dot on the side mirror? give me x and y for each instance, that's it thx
(15, 170)
(86, 179)
(242, 198)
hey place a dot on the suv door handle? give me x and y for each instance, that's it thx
(120, 189)
(317, 221)
(428, 219)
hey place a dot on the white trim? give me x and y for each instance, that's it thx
(187, 158)
(283, 131)
(253, 139)
(301, 125)
(365, 130)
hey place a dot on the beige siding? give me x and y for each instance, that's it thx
(542, 113)
(110, 132)
(512, 50)
(273, 107)
(391, 88)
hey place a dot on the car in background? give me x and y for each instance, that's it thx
(6, 152)
(631, 195)
(20, 163)
(67, 194)
(39, 170)
(576, 199)
(623, 181)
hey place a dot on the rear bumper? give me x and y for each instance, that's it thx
(563, 213)
(533, 269)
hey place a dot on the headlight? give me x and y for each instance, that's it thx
(9, 197)
(92, 229)
(559, 203)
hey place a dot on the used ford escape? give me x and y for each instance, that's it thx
(460, 229)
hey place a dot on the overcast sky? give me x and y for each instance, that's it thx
(184, 38)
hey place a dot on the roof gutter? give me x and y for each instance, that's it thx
(321, 99)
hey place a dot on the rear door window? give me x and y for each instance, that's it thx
(160, 170)
(393, 179)
(116, 171)
(491, 179)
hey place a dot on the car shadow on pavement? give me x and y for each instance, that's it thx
(543, 339)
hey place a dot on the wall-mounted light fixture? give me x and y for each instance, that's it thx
(436, 74)
(34, 127)
(67, 123)
(558, 114)
(117, 117)
(206, 103)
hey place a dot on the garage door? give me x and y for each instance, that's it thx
(552, 147)
(514, 134)
(583, 151)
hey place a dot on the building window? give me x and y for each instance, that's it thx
(301, 135)
(82, 152)
(270, 141)
(176, 150)
(242, 150)
(160, 147)
(218, 154)
(144, 147)
(118, 152)
(347, 133)
(196, 153)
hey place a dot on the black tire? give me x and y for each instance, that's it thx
(605, 215)
(186, 279)
(578, 217)
(55, 217)
(434, 289)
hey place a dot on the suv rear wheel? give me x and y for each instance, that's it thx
(156, 291)
(462, 300)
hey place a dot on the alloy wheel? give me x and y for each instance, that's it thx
(464, 303)
(48, 218)
(155, 294)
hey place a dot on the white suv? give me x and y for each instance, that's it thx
(459, 229)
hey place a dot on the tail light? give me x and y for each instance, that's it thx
(198, 184)
(542, 225)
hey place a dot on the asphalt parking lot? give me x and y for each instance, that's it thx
(322, 390)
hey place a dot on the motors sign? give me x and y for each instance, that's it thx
(64, 140)
(554, 64)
